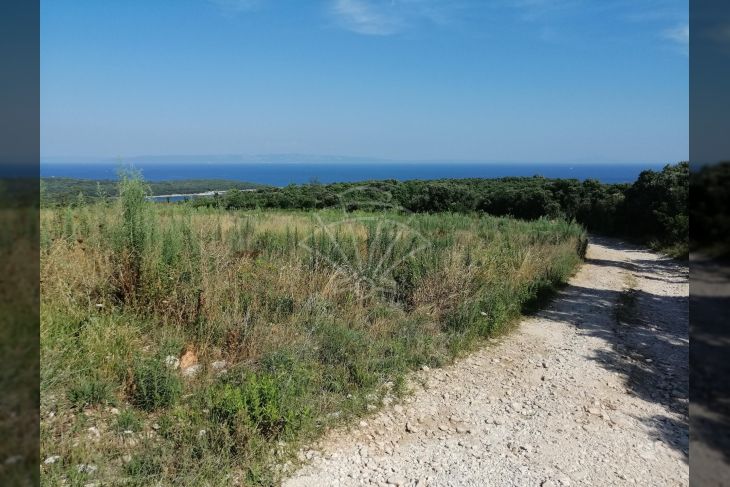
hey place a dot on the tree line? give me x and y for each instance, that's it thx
(653, 209)
(64, 191)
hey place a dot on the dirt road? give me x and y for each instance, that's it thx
(593, 390)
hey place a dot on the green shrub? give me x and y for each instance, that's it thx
(264, 402)
(90, 392)
(154, 385)
(465, 317)
(132, 198)
(132, 235)
(346, 353)
(127, 420)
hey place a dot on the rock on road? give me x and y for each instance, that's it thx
(592, 390)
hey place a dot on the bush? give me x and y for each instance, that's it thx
(154, 385)
(90, 392)
(656, 206)
(346, 353)
(127, 420)
(262, 402)
(132, 237)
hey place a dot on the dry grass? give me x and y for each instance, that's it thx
(311, 322)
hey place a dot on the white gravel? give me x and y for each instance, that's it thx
(572, 397)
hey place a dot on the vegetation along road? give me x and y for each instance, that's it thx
(592, 390)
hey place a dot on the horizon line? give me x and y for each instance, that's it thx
(281, 158)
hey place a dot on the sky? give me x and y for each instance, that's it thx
(576, 81)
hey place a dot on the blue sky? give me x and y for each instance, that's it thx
(502, 80)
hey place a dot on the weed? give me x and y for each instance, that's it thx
(127, 420)
(154, 385)
(260, 402)
(625, 310)
(347, 354)
(133, 234)
(90, 392)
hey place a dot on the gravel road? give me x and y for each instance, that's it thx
(593, 390)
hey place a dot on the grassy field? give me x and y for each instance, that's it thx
(284, 324)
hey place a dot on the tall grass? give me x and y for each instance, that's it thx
(315, 314)
(134, 234)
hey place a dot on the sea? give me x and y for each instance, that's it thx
(284, 173)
